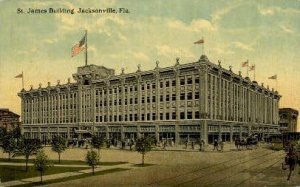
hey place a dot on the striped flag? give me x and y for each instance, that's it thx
(274, 77)
(199, 41)
(76, 49)
(251, 68)
(19, 76)
(245, 64)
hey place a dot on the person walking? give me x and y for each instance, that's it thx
(216, 145)
(202, 145)
(221, 143)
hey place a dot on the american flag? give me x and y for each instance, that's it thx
(245, 64)
(251, 68)
(201, 41)
(273, 77)
(76, 49)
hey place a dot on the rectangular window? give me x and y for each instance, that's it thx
(182, 96)
(197, 80)
(120, 118)
(167, 116)
(189, 80)
(143, 87)
(190, 115)
(190, 96)
(143, 99)
(196, 95)
(167, 97)
(173, 115)
(182, 81)
(181, 115)
(135, 117)
(161, 116)
(143, 117)
(148, 99)
(161, 98)
(131, 100)
(153, 99)
(161, 84)
(153, 86)
(153, 116)
(135, 100)
(173, 97)
(148, 117)
(130, 117)
(173, 82)
(148, 86)
(167, 84)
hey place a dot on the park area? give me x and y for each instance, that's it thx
(174, 166)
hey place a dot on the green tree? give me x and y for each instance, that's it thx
(92, 159)
(59, 145)
(143, 145)
(9, 145)
(28, 147)
(42, 163)
(3, 133)
(97, 142)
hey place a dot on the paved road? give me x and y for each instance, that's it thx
(258, 167)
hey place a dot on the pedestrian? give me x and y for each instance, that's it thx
(186, 144)
(202, 144)
(221, 143)
(216, 144)
(193, 145)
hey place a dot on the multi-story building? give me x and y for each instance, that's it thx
(288, 120)
(194, 100)
(8, 119)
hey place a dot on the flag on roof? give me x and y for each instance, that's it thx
(251, 68)
(273, 77)
(199, 41)
(76, 49)
(19, 76)
(245, 64)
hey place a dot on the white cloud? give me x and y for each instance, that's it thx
(195, 26)
(274, 10)
(50, 40)
(243, 46)
(170, 52)
(140, 56)
(266, 11)
(221, 51)
(286, 29)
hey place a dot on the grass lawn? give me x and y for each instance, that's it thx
(65, 162)
(74, 177)
(8, 173)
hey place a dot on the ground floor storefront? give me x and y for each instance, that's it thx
(177, 132)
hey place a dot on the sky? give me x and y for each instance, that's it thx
(266, 33)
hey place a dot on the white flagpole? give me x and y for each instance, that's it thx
(22, 80)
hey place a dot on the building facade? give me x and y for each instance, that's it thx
(288, 120)
(9, 120)
(199, 100)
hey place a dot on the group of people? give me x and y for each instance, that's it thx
(218, 145)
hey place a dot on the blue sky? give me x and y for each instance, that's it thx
(264, 32)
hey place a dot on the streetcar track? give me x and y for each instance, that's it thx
(227, 167)
(261, 171)
(236, 173)
(206, 167)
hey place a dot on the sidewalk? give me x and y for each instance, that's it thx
(63, 175)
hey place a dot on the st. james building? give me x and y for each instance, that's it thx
(199, 100)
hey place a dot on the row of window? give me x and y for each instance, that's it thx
(147, 117)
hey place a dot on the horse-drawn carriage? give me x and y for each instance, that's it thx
(291, 159)
(249, 142)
